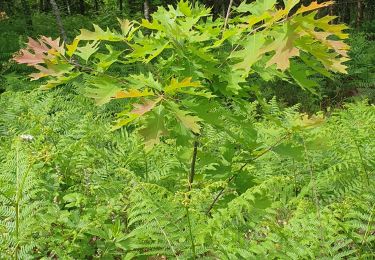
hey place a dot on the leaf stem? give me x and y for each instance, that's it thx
(193, 162)
(362, 161)
(191, 234)
(242, 167)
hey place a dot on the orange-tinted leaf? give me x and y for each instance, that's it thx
(339, 46)
(141, 109)
(37, 52)
(37, 46)
(313, 6)
(55, 44)
(28, 58)
(127, 28)
(284, 49)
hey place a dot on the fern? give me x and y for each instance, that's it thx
(160, 223)
(19, 203)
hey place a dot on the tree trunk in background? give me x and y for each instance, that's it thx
(146, 8)
(27, 13)
(59, 23)
(346, 13)
(67, 3)
(331, 10)
(359, 13)
(82, 7)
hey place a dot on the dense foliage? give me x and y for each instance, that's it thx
(162, 139)
(73, 189)
(189, 58)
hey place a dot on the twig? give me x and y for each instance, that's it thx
(227, 16)
(314, 191)
(241, 168)
(193, 161)
(191, 234)
(362, 161)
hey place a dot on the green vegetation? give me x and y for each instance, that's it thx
(188, 134)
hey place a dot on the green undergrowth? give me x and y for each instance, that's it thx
(71, 189)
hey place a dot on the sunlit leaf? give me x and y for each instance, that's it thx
(154, 128)
(284, 48)
(86, 51)
(313, 6)
(175, 85)
(99, 35)
(133, 93)
(102, 89)
(188, 121)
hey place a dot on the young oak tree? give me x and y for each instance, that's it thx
(191, 63)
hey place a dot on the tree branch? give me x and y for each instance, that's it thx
(227, 16)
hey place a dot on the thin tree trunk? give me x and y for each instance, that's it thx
(346, 13)
(146, 8)
(227, 15)
(56, 12)
(27, 13)
(67, 3)
(193, 161)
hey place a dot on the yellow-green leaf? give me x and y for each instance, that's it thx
(133, 93)
(175, 85)
(71, 48)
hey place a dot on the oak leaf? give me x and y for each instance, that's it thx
(175, 85)
(133, 93)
